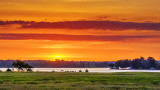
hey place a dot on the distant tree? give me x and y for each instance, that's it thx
(152, 62)
(21, 65)
(117, 65)
(136, 63)
(158, 67)
(27, 66)
(144, 63)
(123, 63)
(142, 58)
(111, 65)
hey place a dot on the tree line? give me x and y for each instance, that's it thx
(138, 63)
(57, 64)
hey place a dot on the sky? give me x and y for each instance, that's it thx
(80, 30)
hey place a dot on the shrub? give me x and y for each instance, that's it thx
(86, 70)
(53, 71)
(29, 70)
(80, 70)
(8, 70)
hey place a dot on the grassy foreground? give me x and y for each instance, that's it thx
(78, 81)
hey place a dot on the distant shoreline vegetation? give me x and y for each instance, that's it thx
(57, 64)
(138, 63)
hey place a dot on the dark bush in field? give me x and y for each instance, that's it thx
(8, 70)
(86, 70)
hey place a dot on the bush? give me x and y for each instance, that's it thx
(8, 70)
(29, 70)
(86, 70)
(53, 71)
(80, 70)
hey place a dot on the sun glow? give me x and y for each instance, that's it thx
(59, 56)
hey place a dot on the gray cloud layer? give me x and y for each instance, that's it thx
(70, 37)
(15, 22)
(111, 25)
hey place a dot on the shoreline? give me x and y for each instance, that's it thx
(74, 70)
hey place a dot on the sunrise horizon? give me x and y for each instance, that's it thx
(79, 44)
(75, 59)
(90, 30)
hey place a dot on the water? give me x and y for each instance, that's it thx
(95, 70)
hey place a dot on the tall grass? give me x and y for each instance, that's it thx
(78, 81)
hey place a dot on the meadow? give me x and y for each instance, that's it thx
(78, 81)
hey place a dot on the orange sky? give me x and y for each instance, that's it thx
(96, 30)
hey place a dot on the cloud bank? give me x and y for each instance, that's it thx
(15, 22)
(111, 25)
(70, 37)
(82, 25)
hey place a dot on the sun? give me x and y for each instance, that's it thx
(59, 56)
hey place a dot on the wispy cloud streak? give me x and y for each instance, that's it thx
(71, 37)
(82, 25)
(104, 25)
(15, 22)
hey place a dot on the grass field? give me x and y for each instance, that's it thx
(78, 81)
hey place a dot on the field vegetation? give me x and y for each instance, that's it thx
(78, 81)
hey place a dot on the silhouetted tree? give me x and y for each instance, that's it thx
(158, 66)
(144, 63)
(111, 65)
(21, 65)
(152, 62)
(123, 63)
(136, 63)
